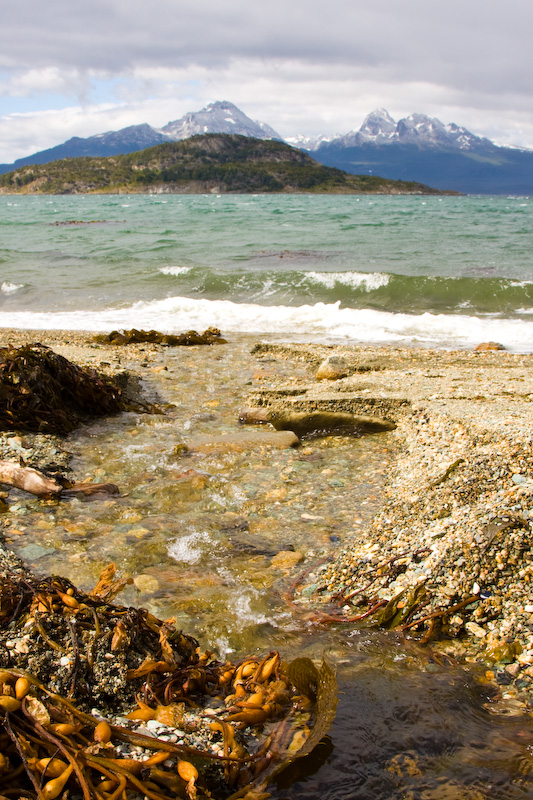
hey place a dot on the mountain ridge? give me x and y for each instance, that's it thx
(415, 148)
(218, 163)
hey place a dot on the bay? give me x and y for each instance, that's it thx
(431, 271)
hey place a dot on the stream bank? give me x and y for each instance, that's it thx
(457, 524)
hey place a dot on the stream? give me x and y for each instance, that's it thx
(214, 537)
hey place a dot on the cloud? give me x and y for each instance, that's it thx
(473, 41)
(311, 67)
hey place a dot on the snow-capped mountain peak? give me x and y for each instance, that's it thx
(310, 142)
(218, 117)
(380, 129)
(378, 124)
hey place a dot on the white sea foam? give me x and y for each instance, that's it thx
(174, 270)
(8, 288)
(319, 322)
(357, 280)
(189, 549)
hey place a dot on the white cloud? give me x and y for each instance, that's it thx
(308, 67)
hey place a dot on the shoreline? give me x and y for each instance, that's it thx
(457, 523)
(458, 513)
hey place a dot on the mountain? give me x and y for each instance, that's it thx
(380, 129)
(424, 149)
(416, 148)
(127, 140)
(217, 163)
(219, 117)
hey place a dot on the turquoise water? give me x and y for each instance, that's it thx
(437, 271)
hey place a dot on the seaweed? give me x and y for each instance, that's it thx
(238, 724)
(134, 336)
(41, 391)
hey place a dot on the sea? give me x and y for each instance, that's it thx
(431, 271)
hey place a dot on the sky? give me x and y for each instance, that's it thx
(315, 67)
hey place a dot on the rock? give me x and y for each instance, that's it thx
(475, 629)
(254, 416)
(31, 552)
(230, 521)
(196, 478)
(241, 441)
(332, 368)
(324, 422)
(247, 545)
(488, 346)
(146, 583)
(513, 669)
(286, 559)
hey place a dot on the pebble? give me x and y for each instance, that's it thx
(155, 725)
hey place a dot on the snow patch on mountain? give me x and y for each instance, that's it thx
(218, 117)
(310, 142)
(380, 129)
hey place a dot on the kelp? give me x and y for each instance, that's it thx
(409, 610)
(41, 391)
(239, 723)
(134, 336)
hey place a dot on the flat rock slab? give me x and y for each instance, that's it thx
(244, 440)
(307, 423)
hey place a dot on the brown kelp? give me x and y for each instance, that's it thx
(44, 392)
(134, 336)
(109, 702)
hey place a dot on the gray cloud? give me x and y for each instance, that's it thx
(300, 66)
(485, 45)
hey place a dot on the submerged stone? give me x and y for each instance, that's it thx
(286, 560)
(241, 441)
(31, 552)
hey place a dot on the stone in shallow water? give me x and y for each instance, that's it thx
(241, 441)
(31, 552)
(286, 559)
(146, 583)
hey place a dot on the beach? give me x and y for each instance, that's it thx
(458, 512)
(457, 509)
(411, 545)
(346, 478)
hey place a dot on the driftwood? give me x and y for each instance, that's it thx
(37, 483)
(28, 479)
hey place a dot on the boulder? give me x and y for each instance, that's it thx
(488, 346)
(332, 368)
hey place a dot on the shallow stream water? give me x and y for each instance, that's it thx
(214, 539)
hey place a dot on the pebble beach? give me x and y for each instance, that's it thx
(456, 521)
